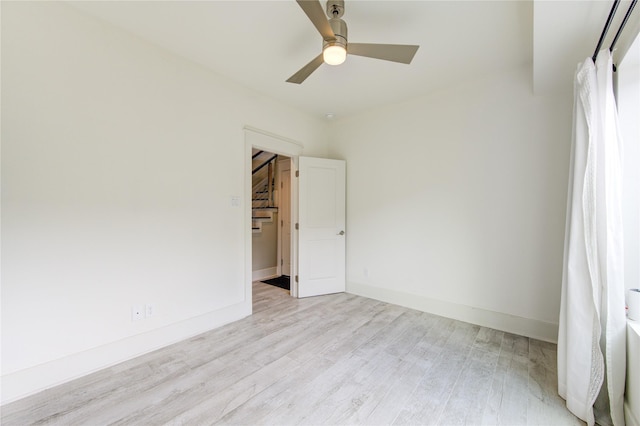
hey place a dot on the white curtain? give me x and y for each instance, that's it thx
(591, 336)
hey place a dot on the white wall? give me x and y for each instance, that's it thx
(456, 202)
(118, 164)
(265, 245)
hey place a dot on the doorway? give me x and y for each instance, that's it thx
(288, 152)
(271, 218)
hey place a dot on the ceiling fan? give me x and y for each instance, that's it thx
(335, 46)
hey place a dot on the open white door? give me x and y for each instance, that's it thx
(321, 237)
(284, 212)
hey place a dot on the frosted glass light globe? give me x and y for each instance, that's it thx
(334, 55)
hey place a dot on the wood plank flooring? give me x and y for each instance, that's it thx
(337, 359)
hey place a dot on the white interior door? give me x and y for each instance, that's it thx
(321, 238)
(285, 220)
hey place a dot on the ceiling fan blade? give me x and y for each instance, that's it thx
(402, 53)
(306, 71)
(316, 14)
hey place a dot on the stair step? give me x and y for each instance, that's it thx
(269, 209)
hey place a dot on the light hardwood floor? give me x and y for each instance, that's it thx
(337, 359)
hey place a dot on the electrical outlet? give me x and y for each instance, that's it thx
(149, 310)
(137, 312)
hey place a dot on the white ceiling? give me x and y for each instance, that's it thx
(259, 44)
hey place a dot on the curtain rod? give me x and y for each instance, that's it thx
(608, 24)
(624, 22)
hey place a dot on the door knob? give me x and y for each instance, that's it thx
(341, 233)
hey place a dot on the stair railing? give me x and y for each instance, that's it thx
(264, 163)
(269, 163)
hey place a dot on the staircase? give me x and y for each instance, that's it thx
(263, 182)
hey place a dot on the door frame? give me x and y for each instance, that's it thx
(271, 142)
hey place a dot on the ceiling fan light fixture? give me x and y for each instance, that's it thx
(334, 40)
(334, 54)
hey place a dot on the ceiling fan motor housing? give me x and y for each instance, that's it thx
(335, 10)
(339, 28)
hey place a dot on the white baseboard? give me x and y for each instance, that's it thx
(264, 274)
(528, 327)
(32, 380)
